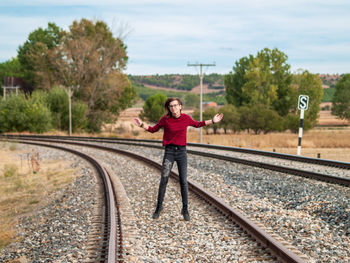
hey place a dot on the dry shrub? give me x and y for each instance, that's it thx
(34, 161)
(7, 234)
(13, 147)
(331, 139)
(121, 129)
(10, 170)
(313, 139)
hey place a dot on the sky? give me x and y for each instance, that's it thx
(163, 36)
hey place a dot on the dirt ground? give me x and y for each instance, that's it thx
(327, 119)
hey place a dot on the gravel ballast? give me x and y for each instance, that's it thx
(312, 216)
(58, 230)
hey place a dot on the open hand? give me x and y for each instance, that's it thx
(218, 117)
(137, 122)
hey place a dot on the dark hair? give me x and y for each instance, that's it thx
(166, 105)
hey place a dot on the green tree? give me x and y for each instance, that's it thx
(196, 116)
(10, 68)
(18, 114)
(117, 94)
(341, 99)
(260, 118)
(89, 58)
(328, 94)
(264, 79)
(57, 100)
(12, 114)
(33, 55)
(305, 83)
(192, 100)
(292, 122)
(153, 109)
(272, 121)
(38, 114)
(235, 80)
(208, 114)
(231, 120)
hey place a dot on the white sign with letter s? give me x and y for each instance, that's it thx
(303, 102)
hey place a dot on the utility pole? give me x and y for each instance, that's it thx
(201, 91)
(70, 93)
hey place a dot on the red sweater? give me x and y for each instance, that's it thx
(175, 129)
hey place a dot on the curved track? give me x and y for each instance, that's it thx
(345, 181)
(276, 248)
(110, 247)
(325, 162)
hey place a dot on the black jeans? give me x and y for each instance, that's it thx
(179, 154)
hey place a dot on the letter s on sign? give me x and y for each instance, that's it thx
(303, 102)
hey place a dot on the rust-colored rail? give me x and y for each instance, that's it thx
(276, 248)
(308, 174)
(345, 181)
(318, 161)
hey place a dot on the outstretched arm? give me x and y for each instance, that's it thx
(141, 124)
(217, 118)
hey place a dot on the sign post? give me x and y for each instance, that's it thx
(303, 103)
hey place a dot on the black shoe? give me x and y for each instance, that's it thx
(157, 212)
(185, 214)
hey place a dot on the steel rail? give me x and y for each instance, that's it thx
(263, 238)
(308, 174)
(303, 173)
(326, 162)
(313, 175)
(109, 225)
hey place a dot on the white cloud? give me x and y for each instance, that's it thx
(167, 32)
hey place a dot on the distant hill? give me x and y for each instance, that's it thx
(185, 82)
(214, 82)
(176, 85)
(329, 80)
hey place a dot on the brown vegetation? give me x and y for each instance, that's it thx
(327, 119)
(26, 183)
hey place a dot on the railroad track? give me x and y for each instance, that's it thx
(345, 181)
(157, 144)
(275, 247)
(106, 240)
